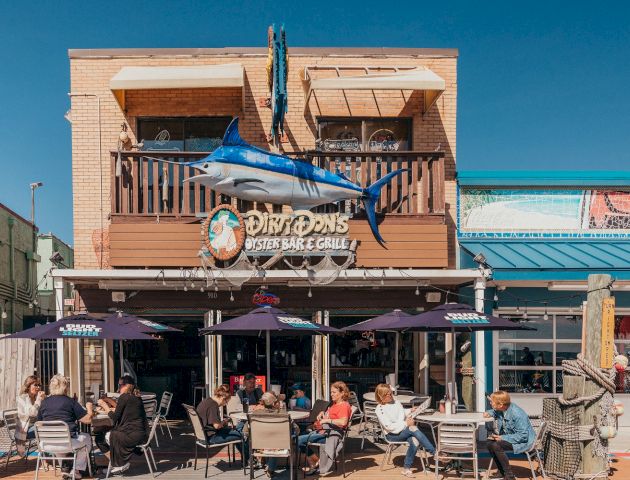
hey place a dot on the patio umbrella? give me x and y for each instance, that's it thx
(456, 317)
(271, 321)
(383, 323)
(139, 324)
(81, 326)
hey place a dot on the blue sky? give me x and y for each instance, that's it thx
(542, 85)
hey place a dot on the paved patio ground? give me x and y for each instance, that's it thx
(175, 461)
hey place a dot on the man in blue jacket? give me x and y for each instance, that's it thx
(514, 431)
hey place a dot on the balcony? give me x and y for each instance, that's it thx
(146, 188)
(155, 213)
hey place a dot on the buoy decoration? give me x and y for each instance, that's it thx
(620, 363)
(607, 431)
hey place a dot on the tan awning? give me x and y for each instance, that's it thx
(402, 78)
(149, 78)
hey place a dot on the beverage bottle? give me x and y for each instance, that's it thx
(245, 404)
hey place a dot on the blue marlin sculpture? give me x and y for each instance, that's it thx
(250, 173)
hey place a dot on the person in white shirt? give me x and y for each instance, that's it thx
(399, 425)
(28, 403)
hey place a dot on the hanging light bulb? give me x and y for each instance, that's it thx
(216, 286)
(185, 288)
(496, 297)
(525, 312)
(163, 282)
(192, 284)
(417, 292)
(201, 289)
(231, 296)
(546, 315)
(310, 293)
(383, 278)
(518, 308)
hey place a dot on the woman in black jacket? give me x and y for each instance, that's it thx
(130, 425)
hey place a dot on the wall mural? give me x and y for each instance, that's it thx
(531, 213)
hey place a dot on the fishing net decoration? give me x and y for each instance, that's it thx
(562, 444)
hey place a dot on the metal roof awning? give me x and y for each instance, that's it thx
(375, 78)
(548, 260)
(151, 78)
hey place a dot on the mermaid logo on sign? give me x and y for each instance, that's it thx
(224, 232)
(472, 318)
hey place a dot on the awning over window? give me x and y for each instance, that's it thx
(149, 78)
(396, 78)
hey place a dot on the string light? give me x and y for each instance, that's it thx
(383, 278)
(185, 288)
(546, 315)
(417, 292)
(310, 293)
(525, 312)
(231, 295)
(201, 289)
(216, 286)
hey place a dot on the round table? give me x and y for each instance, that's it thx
(295, 415)
(403, 399)
(462, 417)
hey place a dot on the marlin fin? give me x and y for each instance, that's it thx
(238, 181)
(232, 138)
(371, 195)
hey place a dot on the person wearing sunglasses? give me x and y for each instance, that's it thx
(131, 427)
(28, 402)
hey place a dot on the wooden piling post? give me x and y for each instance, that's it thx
(597, 292)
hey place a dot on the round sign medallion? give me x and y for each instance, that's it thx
(224, 232)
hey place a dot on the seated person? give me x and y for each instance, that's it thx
(514, 431)
(337, 416)
(302, 402)
(219, 431)
(28, 402)
(250, 393)
(130, 425)
(399, 426)
(59, 406)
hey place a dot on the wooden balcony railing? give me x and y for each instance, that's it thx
(143, 186)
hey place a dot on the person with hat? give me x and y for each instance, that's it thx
(131, 427)
(299, 400)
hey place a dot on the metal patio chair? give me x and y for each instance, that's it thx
(457, 441)
(201, 439)
(393, 445)
(270, 436)
(55, 443)
(9, 420)
(370, 424)
(163, 410)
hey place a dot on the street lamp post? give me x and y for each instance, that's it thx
(34, 186)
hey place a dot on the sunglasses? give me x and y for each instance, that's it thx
(38, 385)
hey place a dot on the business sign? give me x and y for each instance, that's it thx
(265, 299)
(226, 232)
(608, 333)
(472, 318)
(80, 330)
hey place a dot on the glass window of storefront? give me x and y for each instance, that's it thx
(530, 361)
(190, 134)
(369, 134)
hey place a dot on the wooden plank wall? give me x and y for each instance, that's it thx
(410, 243)
(17, 361)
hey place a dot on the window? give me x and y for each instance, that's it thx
(369, 135)
(190, 134)
(531, 361)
